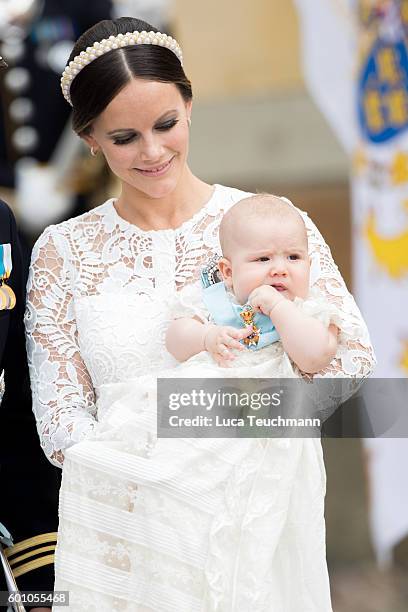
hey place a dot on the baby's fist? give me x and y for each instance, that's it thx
(264, 298)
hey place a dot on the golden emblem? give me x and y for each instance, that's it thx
(7, 297)
(247, 315)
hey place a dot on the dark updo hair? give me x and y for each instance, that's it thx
(100, 81)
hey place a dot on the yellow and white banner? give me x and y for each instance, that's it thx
(356, 66)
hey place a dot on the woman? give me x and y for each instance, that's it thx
(101, 293)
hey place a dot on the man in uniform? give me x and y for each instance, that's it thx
(33, 113)
(29, 484)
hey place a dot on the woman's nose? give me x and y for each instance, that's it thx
(150, 148)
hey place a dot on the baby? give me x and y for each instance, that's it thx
(254, 492)
(265, 264)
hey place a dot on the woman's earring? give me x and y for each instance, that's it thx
(93, 152)
(189, 122)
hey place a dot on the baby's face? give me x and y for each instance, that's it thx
(269, 252)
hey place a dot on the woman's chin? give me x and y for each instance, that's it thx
(155, 188)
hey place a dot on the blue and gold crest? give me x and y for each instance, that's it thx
(383, 76)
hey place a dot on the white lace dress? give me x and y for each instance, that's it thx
(172, 526)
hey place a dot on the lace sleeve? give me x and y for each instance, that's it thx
(188, 302)
(355, 355)
(63, 396)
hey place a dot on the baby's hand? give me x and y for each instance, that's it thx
(264, 298)
(220, 339)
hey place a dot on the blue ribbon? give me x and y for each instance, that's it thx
(224, 312)
(5, 261)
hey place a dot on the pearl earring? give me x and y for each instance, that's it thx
(93, 152)
(189, 121)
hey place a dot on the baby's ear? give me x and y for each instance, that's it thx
(224, 266)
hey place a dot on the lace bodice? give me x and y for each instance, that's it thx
(100, 296)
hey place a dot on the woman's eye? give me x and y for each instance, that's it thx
(123, 141)
(167, 126)
(164, 127)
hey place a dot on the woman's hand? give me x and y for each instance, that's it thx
(219, 340)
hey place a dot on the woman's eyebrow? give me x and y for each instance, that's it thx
(120, 131)
(125, 130)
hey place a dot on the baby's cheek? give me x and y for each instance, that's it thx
(304, 281)
(305, 291)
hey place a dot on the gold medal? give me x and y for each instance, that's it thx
(11, 295)
(4, 300)
(7, 297)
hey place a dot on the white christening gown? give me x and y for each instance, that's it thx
(183, 525)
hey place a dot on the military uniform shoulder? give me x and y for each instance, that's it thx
(7, 224)
(5, 211)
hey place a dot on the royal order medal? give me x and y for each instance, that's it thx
(247, 315)
(7, 297)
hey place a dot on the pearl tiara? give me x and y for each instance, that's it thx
(114, 42)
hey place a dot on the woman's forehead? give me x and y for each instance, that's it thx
(141, 101)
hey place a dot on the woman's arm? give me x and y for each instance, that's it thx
(63, 396)
(355, 356)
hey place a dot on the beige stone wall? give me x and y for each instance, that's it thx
(239, 47)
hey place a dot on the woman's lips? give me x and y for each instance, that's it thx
(157, 171)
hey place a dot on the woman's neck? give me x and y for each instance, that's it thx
(169, 212)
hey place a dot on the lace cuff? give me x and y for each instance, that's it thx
(317, 306)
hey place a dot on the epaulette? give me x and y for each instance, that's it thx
(32, 553)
